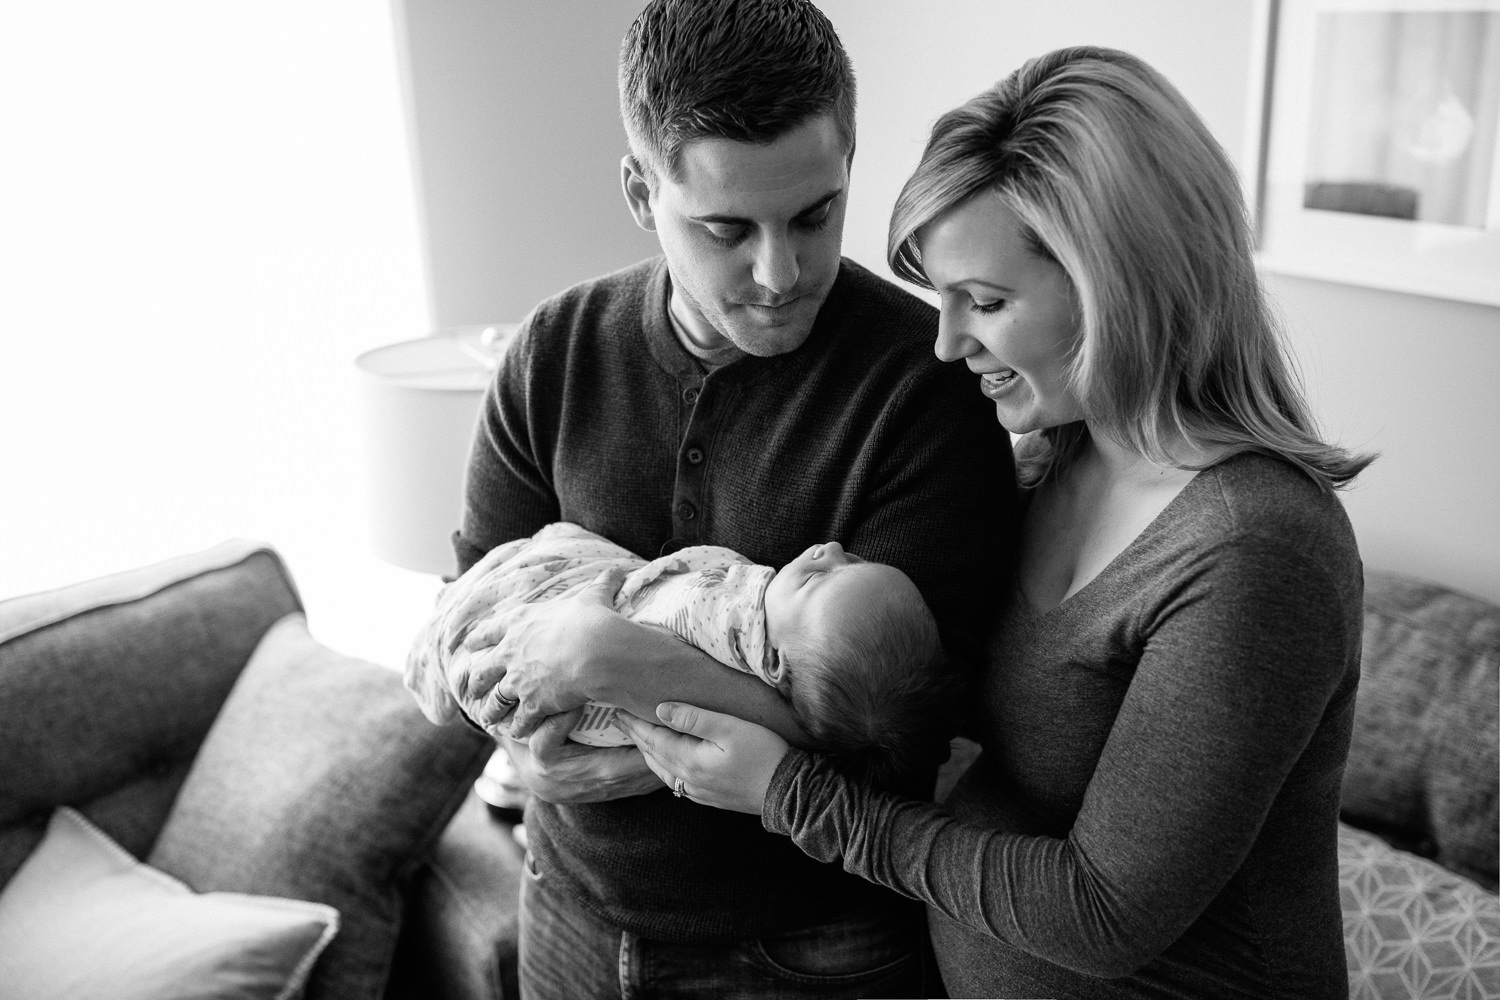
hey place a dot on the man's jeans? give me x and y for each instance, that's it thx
(569, 954)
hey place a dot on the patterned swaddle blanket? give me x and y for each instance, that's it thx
(707, 595)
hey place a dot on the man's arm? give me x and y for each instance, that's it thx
(553, 656)
(682, 672)
(536, 435)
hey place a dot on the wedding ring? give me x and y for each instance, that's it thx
(678, 790)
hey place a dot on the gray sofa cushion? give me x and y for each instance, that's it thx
(1423, 763)
(320, 780)
(85, 718)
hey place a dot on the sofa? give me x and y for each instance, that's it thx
(198, 799)
(1418, 842)
(301, 825)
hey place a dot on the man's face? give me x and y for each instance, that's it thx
(751, 234)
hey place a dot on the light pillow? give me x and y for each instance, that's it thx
(83, 918)
(1412, 928)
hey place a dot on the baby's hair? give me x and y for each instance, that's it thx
(879, 696)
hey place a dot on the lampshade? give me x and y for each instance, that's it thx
(420, 403)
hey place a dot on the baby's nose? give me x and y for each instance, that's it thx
(830, 550)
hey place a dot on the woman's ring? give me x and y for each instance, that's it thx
(677, 788)
(507, 705)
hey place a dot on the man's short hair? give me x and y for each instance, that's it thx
(746, 70)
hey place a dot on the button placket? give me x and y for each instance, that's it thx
(688, 491)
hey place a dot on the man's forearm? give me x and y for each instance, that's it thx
(645, 666)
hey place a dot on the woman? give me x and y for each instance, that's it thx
(1167, 707)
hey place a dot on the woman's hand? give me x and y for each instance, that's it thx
(720, 760)
(540, 659)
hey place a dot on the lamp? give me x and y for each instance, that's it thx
(420, 401)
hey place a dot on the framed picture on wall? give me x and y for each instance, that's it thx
(1380, 144)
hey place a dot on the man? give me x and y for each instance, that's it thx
(749, 388)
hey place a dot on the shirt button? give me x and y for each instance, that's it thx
(686, 511)
(690, 395)
(695, 456)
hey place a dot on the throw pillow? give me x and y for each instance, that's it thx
(1412, 928)
(321, 780)
(1426, 741)
(83, 918)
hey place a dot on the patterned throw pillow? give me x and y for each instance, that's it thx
(1413, 928)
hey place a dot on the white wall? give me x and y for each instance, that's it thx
(1415, 379)
(912, 67)
(517, 146)
(207, 213)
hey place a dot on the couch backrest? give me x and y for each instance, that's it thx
(84, 717)
(1424, 764)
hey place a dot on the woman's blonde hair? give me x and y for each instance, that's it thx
(1115, 178)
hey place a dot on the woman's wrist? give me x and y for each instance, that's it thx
(773, 807)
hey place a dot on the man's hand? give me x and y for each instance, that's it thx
(437, 667)
(545, 656)
(558, 770)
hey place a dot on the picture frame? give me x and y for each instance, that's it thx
(1378, 153)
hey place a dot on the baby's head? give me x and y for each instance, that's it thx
(861, 661)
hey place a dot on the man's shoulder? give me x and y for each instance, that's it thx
(591, 315)
(872, 315)
(860, 291)
(878, 333)
(625, 287)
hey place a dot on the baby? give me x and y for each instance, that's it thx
(850, 644)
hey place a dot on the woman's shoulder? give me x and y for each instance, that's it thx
(1251, 486)
(1269, 504)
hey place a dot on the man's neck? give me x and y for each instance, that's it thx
(712, 351)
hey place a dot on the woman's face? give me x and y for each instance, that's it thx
(1007, 312)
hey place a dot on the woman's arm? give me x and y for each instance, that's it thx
(1221, 711)
(1230, 692)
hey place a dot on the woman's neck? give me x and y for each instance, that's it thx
(1111, 459)
(1092, 511)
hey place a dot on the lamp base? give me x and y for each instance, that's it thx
(501, 790)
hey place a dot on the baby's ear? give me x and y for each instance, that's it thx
(781, 673)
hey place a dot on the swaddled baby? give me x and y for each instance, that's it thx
(850, 643)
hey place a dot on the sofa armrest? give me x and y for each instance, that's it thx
(108, 686)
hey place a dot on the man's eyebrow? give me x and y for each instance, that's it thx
(735, 220)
